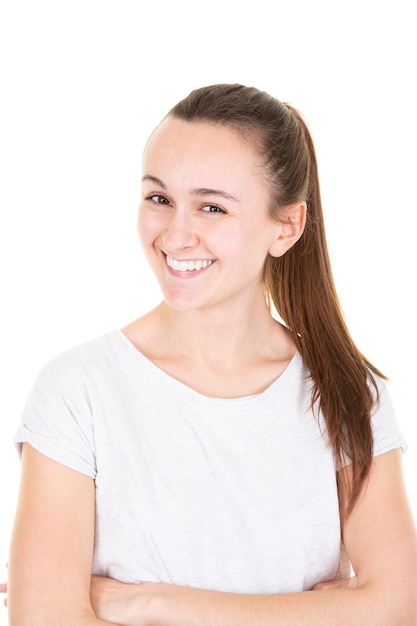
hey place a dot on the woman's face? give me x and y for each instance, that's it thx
(203, 220)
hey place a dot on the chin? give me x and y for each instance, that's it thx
(181, 305)
(182, 299)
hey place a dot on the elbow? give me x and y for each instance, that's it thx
(407, 614)
(395, 609)
(403, 607)
(403, 616)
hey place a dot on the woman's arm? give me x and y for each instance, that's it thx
(52, 546)
(380, 538)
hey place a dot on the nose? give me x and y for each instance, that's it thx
(180, 233)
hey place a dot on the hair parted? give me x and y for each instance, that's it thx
(300, 283)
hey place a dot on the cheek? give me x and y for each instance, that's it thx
(141, 231)
(146, 228)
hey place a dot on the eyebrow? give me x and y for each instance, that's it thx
(200, 191)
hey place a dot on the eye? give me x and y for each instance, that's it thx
(157, 198)
(212, 208)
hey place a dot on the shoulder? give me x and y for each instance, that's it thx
(73, 362)
(70, 379)
(58, 419)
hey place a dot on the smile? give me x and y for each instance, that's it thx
(188, 266)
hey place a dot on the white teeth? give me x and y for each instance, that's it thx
(188, 266)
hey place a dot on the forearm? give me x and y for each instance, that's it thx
(22, 618)
(36, 613)
(344, 607)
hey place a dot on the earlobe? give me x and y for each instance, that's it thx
(291, 228)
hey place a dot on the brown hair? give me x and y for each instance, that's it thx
(300, 283)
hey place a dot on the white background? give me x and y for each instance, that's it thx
(82, 85)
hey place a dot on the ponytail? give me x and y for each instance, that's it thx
(301, 287)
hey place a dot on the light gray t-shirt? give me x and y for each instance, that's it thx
(235, 495)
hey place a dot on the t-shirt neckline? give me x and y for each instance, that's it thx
(150, 365)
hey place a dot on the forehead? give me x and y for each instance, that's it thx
(209, 148)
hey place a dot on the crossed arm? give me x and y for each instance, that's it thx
(52, 549)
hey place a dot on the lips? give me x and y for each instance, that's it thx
(188, 266)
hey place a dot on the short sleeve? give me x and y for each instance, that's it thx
(57, 418)
(386, 431)
(385, 427)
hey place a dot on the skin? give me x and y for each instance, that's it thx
(214, 332)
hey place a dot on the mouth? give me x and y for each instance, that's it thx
(192, 265)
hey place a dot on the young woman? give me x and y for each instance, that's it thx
(214, 463)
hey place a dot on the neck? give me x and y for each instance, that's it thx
(210, 338)
(228, 355)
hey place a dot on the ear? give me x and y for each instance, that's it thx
(292, 225)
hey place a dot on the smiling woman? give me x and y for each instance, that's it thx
(188, 169)
(209, 464)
